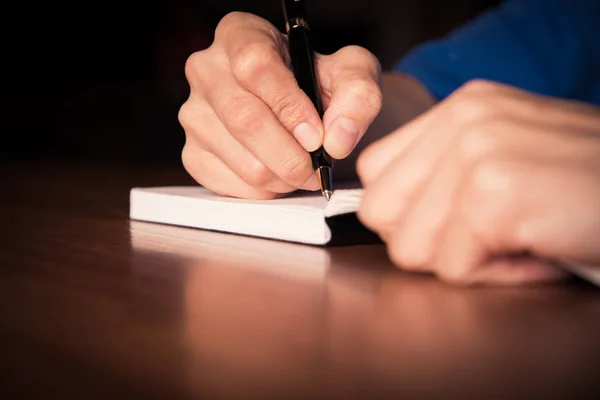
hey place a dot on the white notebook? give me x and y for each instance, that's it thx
(305, 217)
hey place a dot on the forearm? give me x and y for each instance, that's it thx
(404, 98)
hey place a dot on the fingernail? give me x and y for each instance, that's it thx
(308, 136)
(342, 136)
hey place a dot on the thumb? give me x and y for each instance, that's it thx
(353, 79)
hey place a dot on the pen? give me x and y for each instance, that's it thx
(303, 67)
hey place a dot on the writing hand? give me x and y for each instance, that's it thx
(248, 125)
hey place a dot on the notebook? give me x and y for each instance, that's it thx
(303, 217)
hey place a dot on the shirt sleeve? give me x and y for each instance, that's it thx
(550, 47)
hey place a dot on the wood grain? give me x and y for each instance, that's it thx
(96, 306)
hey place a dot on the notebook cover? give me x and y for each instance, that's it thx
(347, 230)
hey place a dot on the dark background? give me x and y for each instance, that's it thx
(103, 81)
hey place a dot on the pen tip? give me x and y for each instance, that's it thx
(327, 194)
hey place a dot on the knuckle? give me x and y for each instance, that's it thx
(296, 170)
(230, 20)
(288, 111)
(465, 109)
(466, 106)
(252, 61)
(417, 258)
(369, 213)
(191, 66)
(476, 142)
(194, 115)
(185, 157)
(199, 68)
(184, 115)
(193, 162)
(242, 116)
(373, 97)
(406, 255)
(258, 175)
(370, 61)
(354, 52)
(364, 215)
(356, 58)
(364, 164)
(479, 86)
(397, 256)
(369, 92)
(195, 165)
(400, 257)
(492, 191)
(406, 259)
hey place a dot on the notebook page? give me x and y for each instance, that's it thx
(343, 201)
(311, 200)
(588, 272)
(297, 218)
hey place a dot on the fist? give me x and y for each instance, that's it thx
(490, 186)
(249, 127)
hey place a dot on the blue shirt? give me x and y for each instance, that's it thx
(549, 47)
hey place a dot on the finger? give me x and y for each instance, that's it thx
(558, 214)
(258, 66)
(475, 101)
(209, 171)
(517, 271)
(465, 262)
(542, 207)
(251, 122)
(353, 79)
(377, 157)
(423, 225)
(480, 97)
(425, 138)
(420, 220)
(388, 196)
(539, 191)
(420, 223)
(469, 136)
(203, 126)
(478, 108)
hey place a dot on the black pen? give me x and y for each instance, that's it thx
(303, 66)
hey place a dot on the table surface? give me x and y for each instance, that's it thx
(94, 305)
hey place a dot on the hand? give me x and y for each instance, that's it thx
(489, 186)
(248, 125)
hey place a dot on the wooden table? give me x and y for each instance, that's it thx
(96, 306)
